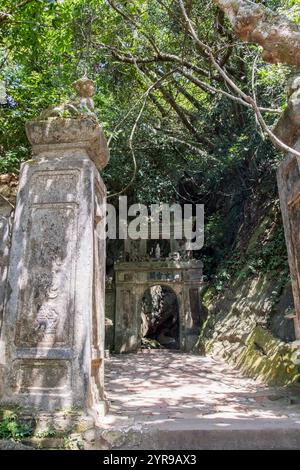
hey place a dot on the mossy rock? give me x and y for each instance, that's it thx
(268, 359)
(259, 232)
(261, 357)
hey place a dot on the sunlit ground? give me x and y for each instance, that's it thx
(170, 390)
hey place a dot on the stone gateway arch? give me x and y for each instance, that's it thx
(133, 279)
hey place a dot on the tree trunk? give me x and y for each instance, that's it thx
(279, 37)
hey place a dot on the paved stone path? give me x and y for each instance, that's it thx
(164, 399)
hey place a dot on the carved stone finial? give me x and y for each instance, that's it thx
(80, 106)
(72, 124)
(84, 87)
(85, 90)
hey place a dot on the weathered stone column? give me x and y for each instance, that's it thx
(288, 179)
(5, 231)
(6, 217)
(53, 325)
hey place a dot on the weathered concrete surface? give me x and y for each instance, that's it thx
(171, 400)
(289, 193)
(5, 234)
(110, 299)
(84, 133)
(50, 332)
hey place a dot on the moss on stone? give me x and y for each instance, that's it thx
(208, 296)
(268, 359)
(261, 357)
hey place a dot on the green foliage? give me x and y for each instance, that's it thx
(10, 428)
(264, 253)
(269, 254)
(220, 159)
(46, 433)
(50, 43)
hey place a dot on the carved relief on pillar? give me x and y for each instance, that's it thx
(57, 186)
(47, 294)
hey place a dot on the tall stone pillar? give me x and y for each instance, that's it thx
(53, 325)
(288, 180)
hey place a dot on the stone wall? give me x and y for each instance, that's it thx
(249, 326)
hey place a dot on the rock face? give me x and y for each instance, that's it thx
(53, 325)
(240, 326)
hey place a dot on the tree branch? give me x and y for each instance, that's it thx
(133, 130)
(162, 57)
(248, 99)
(8, 16)
(170, 135)
(7, 201)
(182, 114)
(132, 21)
(211, 89)
(279, 37)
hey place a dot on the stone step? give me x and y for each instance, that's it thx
(227, 435)
(227, 438)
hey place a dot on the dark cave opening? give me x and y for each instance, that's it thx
(160, 318)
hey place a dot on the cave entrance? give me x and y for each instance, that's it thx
(160, 319)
